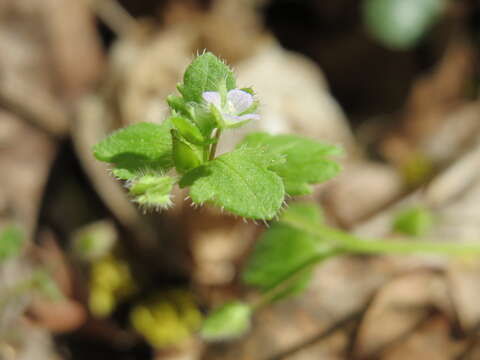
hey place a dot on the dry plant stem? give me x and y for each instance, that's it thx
(353, 244)
(40, 110)
(324, 334)
(213, 149)
(114, 15)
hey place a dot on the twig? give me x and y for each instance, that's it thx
(113, 15)
(36, 108)
(320, 336)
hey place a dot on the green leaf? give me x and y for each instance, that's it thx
(230, 321)
(205, 73)
(282, 250)
(137, 148)
(416, 221)
(306, 161)
(240, 182)
(400, 24)
(152, 191)
(11, 240)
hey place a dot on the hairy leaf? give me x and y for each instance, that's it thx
(137, 148)
(240, 182)
(205, 73)
(306, 160)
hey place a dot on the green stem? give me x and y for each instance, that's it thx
(343, 242)
(354, 244)
(206, 153)
(213, 149)
(413, 247)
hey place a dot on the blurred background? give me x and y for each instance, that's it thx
(394, 82)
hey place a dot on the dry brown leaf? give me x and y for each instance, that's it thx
(432, 340)
(398, 308)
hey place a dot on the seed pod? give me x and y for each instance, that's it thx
(185, 157)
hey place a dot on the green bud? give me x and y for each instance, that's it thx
(185, 157)
(188, 130)
(94, 241)
(152, 190)
(230, 321)
(177, 104)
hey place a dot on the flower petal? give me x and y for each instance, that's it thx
(212, 97)
(240, 100)
(232, 119)
(249, 117)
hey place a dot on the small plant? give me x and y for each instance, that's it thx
(252, 181)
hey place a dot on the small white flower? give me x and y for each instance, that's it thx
(237, 102)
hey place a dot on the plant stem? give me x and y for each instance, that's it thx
(354, 244)
(213, 149)
(113, 15)
(413, 247)
(206, 152)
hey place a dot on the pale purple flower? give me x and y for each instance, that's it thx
(237, 102)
